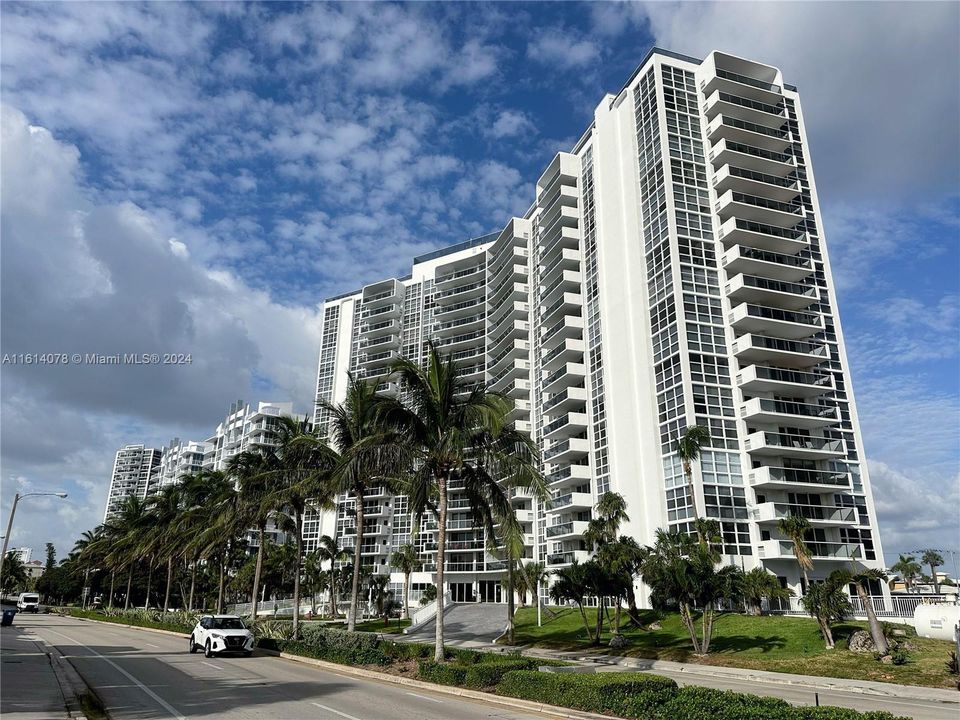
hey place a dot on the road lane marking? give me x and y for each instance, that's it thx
(151, 645)
(160, 701)
(336, 712)
(216, 667)
(424, 697)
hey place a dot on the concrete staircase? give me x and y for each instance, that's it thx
(465, 622)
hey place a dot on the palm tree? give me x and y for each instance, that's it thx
(795, 528)
(216, 539)
(248, 470)
(162, 539)
(125, 530)
(688, 448)
(758, 584)
(330, 551)
(909, 569)
(934, 559)
(827, 602)
(460, 432)
(860, 579)
(301, 476)
(315, 578)
(406, 560)
(201, 492)
(570, 585)
(14, 573)
(535, 574)
(85, 551)
(371, 453)
(624, 559)
(381, 595)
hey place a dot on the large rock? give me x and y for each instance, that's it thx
(618, 642)
(861, 642)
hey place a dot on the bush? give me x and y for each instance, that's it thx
(179, 621)
(627, 694)
(406, 651)
(490, 673)
(899, 656)
(342, 646)
(697, 703)
(442, 673)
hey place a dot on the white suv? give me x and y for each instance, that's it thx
(221, 633)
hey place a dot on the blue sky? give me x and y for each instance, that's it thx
(196, 178)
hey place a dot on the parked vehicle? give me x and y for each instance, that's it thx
(28, 602)
(219, 634)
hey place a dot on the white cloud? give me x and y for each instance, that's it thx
(512, 123)
(561, 49)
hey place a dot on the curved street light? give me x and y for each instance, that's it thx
(16, 499)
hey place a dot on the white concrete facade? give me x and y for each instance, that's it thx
(134, 472)
(181, 457)
(671, 271)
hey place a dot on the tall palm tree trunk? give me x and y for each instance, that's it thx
(166, 594)
(876, 632)
(86, 585)
(687, 618)
(441, 551)
(193, 585)
(688, 471)
(596, 640)
(126, 600)
(113, 574)
(355, 586)
(222, 588)
(146, 603)
(256, 573)
(333, 592)
(510, 607)
(586, 623)
(406, 596)
(298, 521)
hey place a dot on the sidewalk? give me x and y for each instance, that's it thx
(31, 690)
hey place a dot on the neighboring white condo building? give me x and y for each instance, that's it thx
(672, 271)
(244, 428)
(134, 473)
(180, 457)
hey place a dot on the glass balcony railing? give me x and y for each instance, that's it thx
(752, 82)
(752, 104)
(791, 376)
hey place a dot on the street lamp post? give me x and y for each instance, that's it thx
(13, 511)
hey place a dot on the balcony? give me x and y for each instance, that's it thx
(459, 324)
(462, 292)
(569, 326)
(564, 376)
(567, 238)
(514, 350)
(758, 209)
(567, 558)
(764, 291)
(565, 399)
(566, 530)
(753, 349)
(749, 157)
(572, 500)
(761, 379)
(568, 303)
(459, 342)
(780, 478)
(508, 311)
(459, 277)
(570, 351)
(460, 309)
(730, 177)
(391, 310)
(783, 550)
(803, 447)
(818, 515)
(743, 108)
(569, 475)
(736, 231)
(567, 260)
(742, 86)
(573, 423)
(735, 130)
(508, 292)
(567, 450)
(764, 320)
(741, 259)
(513, 370)
(788, 413)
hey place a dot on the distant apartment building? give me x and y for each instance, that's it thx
(134, 473)
(23, 553)
(180, 457)
(244, 428)
(671, 271)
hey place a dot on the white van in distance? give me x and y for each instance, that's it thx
(28, 602)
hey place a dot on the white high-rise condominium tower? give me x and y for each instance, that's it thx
(672, 271)
(134, 472)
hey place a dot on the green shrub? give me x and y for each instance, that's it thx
(490, 672)
(899, 656)
(406, 651)
(179, 621)
(341, 646)
(697, 703)
(442, 673)
(627, 694)
(838, 713)
(465, 657)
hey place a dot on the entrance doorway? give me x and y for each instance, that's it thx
(462, 592)
(490, 591)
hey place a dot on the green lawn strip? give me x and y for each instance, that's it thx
(771, 642)
(135, 618)
(378, 626)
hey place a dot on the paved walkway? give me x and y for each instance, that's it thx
(466, 625)
(31, 690)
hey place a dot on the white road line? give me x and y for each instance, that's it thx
(151, 645)
(424, 697)
(216, 667)
(160, 701)
(336, 712)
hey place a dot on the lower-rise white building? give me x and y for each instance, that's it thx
(134, 473)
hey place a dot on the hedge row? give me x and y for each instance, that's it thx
(651, 697)
(179, 621)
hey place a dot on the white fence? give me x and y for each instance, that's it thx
(896, 606)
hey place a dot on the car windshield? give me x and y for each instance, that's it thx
(31, 598)
(227, 624)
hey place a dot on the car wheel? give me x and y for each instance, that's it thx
(207, 652)
(193, 645)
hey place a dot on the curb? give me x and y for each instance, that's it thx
(515, 703)
(181, 635)
(72, 686)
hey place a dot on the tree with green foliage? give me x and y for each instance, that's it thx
(406, 559)
(14, 573)
(458, 432)
(827, 602)
(330, 551)
(758, 584)
(908, 569)
(933, 559)
(248, 470)
(428, 595)
(162, 539)
(688, 447)
(861, 579)
(315, 578)
(795, 529)
(51, 553)
(571, 584)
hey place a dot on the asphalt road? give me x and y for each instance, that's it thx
(141, 675)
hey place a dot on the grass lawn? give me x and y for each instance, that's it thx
(377, 626)
(774, 643)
